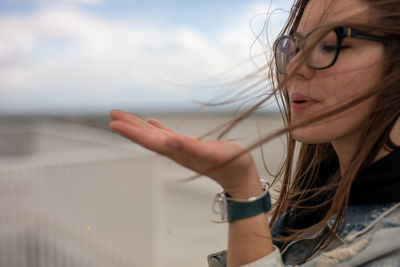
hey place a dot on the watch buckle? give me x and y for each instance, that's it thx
(220, 208)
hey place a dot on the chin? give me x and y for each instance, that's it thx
(309, 136)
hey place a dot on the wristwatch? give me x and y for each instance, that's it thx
(232, 209)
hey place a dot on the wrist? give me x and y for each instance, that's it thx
(232, 208)
(250, 188)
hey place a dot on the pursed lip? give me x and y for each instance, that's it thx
(300, 102)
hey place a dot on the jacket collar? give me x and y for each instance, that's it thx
(361, 218)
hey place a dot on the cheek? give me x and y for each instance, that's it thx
(351, 76)
(343, 126)
(342, 89)
(335, 87)
(346, 87)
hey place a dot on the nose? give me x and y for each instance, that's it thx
(299, 68)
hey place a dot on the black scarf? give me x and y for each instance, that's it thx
(380, 183)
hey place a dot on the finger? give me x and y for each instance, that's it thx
(129, 118)
(154, 141)
(158, 124)
(116, 114)
(134, 120)
(184, 150)
(123, 116)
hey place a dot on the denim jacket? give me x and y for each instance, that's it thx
(371, 237)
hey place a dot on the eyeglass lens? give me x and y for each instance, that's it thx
(321, 56)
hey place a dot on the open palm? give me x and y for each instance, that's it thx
(215, 159)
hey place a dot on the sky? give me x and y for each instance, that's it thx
(73, 56)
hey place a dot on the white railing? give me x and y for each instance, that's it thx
(76, 206)
(81, 197)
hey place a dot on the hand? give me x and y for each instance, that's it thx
(238, 176)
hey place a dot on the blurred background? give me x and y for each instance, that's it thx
(74, 194)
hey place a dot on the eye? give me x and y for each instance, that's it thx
(328, 48)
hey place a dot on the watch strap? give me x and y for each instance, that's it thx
(240, 209)
(230, 209)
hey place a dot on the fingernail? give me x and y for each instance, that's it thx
(173, 144)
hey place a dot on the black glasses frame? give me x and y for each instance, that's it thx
(341, 32)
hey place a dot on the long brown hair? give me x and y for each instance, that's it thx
(316, 190)
(313, 189)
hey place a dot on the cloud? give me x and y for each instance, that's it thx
(54, 2)
(67, 50)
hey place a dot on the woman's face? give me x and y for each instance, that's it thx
(356, 70)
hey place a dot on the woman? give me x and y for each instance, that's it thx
(337, 74)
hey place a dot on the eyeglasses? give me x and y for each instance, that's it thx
(324, 54)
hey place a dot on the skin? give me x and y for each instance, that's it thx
(250, 238)
(357, 70)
